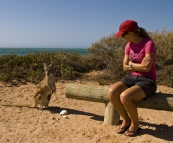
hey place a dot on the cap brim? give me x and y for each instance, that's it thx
(119, 33)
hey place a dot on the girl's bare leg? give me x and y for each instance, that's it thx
(127, 97)
(114, 96)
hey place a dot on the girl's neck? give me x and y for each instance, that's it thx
(137, 39)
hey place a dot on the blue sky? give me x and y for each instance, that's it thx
(76, 23)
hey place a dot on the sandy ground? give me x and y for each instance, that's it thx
(84, 123)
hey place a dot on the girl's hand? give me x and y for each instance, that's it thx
(145, 60)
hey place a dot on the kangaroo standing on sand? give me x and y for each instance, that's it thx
(45, 88)
(43, 91)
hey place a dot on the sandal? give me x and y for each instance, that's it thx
(132, 133)
(122, 130)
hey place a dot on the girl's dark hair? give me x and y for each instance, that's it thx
(143, 33)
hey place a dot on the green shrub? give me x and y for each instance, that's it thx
(29, 68)
(106, 54)
(111, 50)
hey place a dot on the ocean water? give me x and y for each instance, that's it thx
(25, 51)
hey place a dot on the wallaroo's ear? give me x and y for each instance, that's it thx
(51, 65)
(45, 65)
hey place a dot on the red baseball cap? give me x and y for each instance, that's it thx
(126, 26)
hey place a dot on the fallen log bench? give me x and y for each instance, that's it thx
(159, 101)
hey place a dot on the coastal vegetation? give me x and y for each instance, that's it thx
(106, 57)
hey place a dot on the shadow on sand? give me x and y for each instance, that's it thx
(161, 131)
(54, 109)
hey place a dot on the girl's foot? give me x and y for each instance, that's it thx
(122, 130)
(132, 133)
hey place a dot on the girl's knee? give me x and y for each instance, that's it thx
(115, 90)
(110, 93)
(113, 94)
(124, 98)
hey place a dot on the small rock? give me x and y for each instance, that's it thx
(66, 117)
(64, 112)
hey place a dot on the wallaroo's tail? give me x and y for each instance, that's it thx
(19, 105)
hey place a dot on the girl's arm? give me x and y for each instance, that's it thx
(126, 65)
(144, 66)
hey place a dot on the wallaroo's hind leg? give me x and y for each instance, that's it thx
(49, 97)
(45, 103)
(38, 100)
(41, 106)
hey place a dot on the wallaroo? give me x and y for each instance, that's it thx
(43, 90)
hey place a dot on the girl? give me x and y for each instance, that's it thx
(139, 61)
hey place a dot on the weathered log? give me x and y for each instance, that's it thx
(87, 92)
(159, 101)
(111, 117)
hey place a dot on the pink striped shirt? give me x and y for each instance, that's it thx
(137, 52)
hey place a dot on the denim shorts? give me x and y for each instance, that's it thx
(147, 84)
